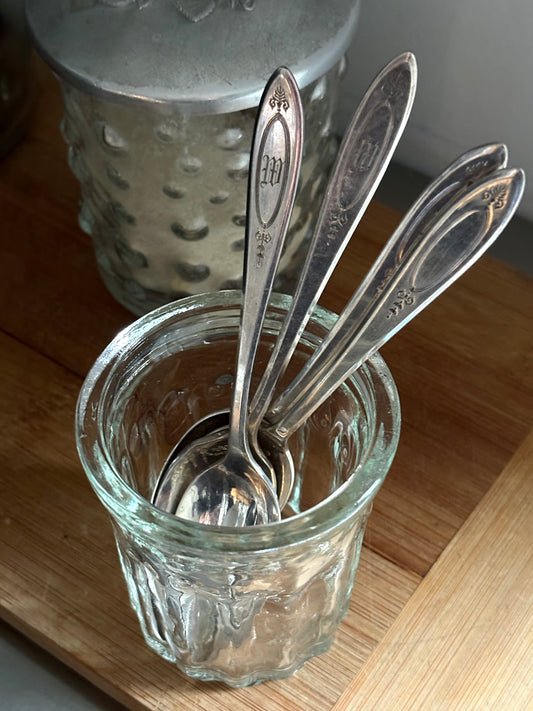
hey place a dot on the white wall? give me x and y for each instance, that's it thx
(475, 63)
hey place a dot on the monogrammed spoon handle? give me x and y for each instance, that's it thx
(404, 280)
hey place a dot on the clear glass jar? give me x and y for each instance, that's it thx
(163, 194)
(238, 605)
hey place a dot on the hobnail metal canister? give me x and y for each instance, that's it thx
(160, 99)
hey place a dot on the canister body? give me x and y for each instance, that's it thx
(163, 194)
(160, 101)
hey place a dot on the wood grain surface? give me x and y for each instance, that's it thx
(465, 639)
(464, 370)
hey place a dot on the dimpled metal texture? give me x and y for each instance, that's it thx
(163, 195)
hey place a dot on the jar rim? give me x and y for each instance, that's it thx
(122, 501)
(86, 45)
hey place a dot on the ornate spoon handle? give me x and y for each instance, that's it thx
(274, 172)
(404, 280)
(363, 157)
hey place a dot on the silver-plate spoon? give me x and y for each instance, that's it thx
(364, 154)
(442, 192)
(406, 278)
(236, 491)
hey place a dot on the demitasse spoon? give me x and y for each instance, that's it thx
(237, 490)
(443, 192)
(378, 122)
(408, 275)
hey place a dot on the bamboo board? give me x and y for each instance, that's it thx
(464, 370)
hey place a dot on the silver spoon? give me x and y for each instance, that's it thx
(362, 160)
(406, 278)
(365, 152)
(408, 275)
(443, 192)
(236, 491)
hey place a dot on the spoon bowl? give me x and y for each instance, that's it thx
(238, 490)
(443, 194)
(202, 446)
(419, 266)
(228, 491)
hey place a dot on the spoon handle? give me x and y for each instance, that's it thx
(274, 172)
(445, 190)
(404, 280)
(363, 157)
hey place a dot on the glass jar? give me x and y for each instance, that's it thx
(238, 605)
(16, 76)
(159, 115)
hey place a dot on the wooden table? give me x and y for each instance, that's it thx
(442, 611)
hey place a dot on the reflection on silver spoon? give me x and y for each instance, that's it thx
(237, 490)
(408, 276)
(378, 121)
(442, 194)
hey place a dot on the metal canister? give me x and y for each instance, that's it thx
(160, 99)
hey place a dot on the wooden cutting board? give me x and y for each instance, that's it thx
(440, 616)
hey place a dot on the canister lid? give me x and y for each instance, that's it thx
(204, 56)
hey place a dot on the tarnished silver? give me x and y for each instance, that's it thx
(236, 491)
(406, 278)
(440, 196)
(149, 51)
(409, 274)
(364, 155)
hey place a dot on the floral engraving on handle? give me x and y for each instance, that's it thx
(496, 197)
(397, 84)
(262, 238)
(385, 280)
(279, 99)
(338, 219)
(404, 297)
(476, 167)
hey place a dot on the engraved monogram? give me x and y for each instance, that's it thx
(365, 155)
(262, 239)
(271, 170)
(404, 298)
(496, 196)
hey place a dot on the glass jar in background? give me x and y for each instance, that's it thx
(159, 114)
(17, 88)
(238, 605)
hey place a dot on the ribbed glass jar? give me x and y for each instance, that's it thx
(238, 605)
